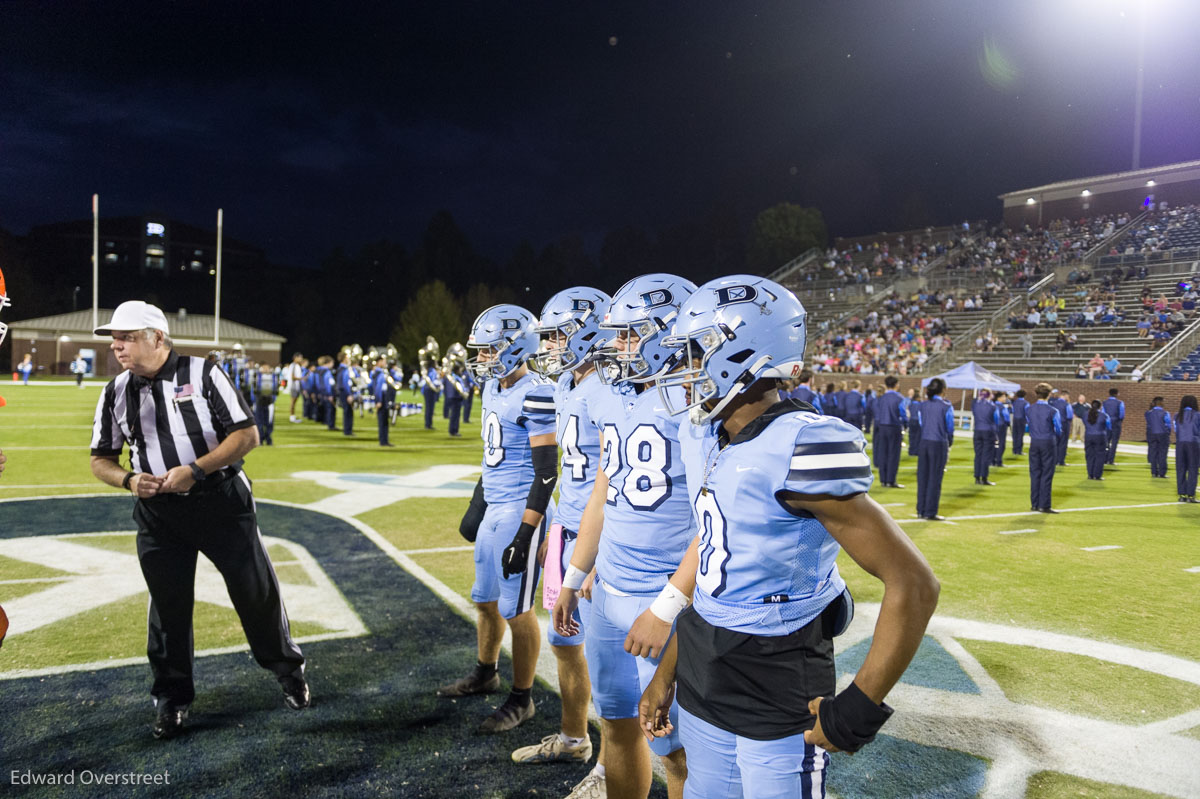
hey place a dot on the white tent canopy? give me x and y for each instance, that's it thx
(973, 377)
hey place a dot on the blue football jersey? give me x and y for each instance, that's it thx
(648, 516)
(579, 441)
(764, 569)
(511, 417)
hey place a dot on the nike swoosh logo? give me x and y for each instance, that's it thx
(548, 480)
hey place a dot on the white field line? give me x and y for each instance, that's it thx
(1036, 513)
(1101, 548)
(437, 549)
(31, 486)
(1193, 570)
(1018, 532)
(17, 674)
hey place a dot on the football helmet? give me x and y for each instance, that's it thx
(644, 307)
(510, 332)
(574, 315)
(731, 332)
(4, 303)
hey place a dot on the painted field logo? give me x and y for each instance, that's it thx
(950, 706)
(77, 599)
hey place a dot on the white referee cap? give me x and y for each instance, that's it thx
(135, 315)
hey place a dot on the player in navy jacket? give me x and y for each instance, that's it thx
(937, 436)
(1158, 437)
(1045, 429)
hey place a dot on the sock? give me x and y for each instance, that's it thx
(599, 770)
(486, 670)
(520, 697)
(569, 741)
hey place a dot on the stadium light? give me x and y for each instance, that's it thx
(1150, 183)
(1085, 193)
(1030, 201)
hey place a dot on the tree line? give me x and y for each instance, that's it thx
(386, 292)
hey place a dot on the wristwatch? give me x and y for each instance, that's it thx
(197, 473)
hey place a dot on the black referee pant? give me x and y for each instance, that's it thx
(217, 518)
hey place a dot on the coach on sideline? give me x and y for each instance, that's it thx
(188, 428)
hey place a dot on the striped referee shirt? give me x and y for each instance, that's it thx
(171, 419)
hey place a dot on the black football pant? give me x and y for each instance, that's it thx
(347, 415)
(383, 416)
(1018, 433)
(914, 436)
(218, 520)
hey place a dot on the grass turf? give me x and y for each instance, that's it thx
(1042, 579)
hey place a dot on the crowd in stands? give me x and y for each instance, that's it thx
(1020, 257)
(1161, 229)
(897, 338)
(880, 260)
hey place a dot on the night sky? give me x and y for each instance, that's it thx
(334, 124)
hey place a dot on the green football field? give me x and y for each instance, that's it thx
(1063, 660)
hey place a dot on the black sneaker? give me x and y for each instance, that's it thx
(295, 692)
(473, 683)
(507, 716)
(169, 722)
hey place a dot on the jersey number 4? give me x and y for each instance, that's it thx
(648, 456)
(714, 549)
(573, 457)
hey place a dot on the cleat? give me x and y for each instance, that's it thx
(592, 786)
(474, 683)
(552, 748)
(507, 717)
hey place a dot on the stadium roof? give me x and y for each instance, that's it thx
(1170, 173)
(185, 328)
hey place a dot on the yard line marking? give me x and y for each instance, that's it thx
(1016, 532)
(894, 504)
(37, 580)
(1038, 513)
(1193, 570)
(437, 549)
(1100, 549)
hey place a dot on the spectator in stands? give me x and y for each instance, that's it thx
(1095, 366)
(1026, 344)
(1081, 372)
(1034, 319)
(1143, 326)
(1050, 317)
(1111, 366)
(1072, 339)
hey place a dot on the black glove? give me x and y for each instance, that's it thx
(516, 554)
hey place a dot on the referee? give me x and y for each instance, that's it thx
(188, 429)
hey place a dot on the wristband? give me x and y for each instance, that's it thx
(669, 603)
(125, 482)
(850, 719)
(574, 578)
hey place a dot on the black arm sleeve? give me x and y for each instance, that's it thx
(545, 475)
(468, 528)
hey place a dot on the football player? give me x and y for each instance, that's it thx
(777, 489)
(634, 531)
(570, 333)
(519, 473)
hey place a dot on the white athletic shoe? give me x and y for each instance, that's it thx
(551, 749)
(592, 787)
